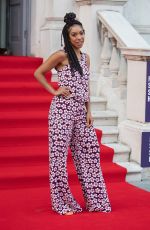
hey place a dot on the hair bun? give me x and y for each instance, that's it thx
(69, 17)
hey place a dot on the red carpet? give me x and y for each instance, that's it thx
(24, 182)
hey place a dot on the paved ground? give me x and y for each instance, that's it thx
(145, 184)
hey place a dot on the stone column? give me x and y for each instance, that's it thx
(135, 131)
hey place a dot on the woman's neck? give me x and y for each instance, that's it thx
(78, 52)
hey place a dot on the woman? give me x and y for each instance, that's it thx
(71, 124)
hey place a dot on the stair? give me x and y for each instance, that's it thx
(110, 133)
(122, 152)
(107, 121)
(133, 171)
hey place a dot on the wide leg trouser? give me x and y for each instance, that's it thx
(67, 127)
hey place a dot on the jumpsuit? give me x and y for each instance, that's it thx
(67, 127)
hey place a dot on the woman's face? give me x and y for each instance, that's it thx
(76, 36)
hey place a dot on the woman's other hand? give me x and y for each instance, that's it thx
(89, 119)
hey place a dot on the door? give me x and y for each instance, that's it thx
(18, 25)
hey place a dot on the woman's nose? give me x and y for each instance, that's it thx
(79, 36)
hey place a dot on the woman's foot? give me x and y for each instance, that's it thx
(68, 213)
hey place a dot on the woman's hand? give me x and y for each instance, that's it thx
(65, 91)
(89, 119)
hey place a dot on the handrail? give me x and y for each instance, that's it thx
(119, 42)
(122, 30)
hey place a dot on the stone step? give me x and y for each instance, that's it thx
(98, 103)
(110, 133)
(121, 151)
(93, 85)
(105, 118)
(54, 76)
(133, 171)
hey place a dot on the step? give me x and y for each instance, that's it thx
(93, 85)
(19, 136)
(133, 171)
(24, 88)
(19, 155)
(98, 103)
(37, 118)
(105, 118)
(122, 152)
(24, 103)
(20, 62)
(110, 133)
(54, 77)
(30, 155)
(24, 136)
(25, 175)
(20, 75)
(18, 119)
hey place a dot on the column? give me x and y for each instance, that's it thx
(135, 131)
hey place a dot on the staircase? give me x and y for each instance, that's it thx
(24, 128)
(107, 121)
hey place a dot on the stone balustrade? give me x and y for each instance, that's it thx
(125, 60)
(114, 30)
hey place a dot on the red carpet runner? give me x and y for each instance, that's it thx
(24, 182)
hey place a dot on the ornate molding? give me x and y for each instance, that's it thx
(142, 29)
(53, 23)
(136, 54)
(54, 19)
(104, 2)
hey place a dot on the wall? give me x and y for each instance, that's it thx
(137, 12)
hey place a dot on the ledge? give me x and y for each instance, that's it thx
(138, 54)
(104, 2)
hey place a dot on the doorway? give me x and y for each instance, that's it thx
(15, 27)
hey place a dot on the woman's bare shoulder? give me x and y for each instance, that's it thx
(60, 54)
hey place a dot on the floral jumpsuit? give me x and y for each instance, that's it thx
(67, 127)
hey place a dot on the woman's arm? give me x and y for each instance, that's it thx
(88, 104)
(53, 61)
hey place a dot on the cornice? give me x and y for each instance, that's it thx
(143, 29)
(106, 2)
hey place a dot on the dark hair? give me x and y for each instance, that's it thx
(70, 20)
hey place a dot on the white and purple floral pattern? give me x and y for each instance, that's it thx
(67, 127)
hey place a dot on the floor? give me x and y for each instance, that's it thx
(145, 185)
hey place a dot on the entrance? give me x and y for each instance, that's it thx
(14, 27)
